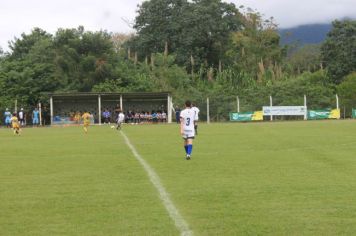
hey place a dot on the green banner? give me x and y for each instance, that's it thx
(353, 113)
(246, 116)
(323, 114)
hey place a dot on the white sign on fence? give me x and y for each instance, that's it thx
(284, 110)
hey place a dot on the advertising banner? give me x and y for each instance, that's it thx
(246, 116)
(353, 113)
(324, 114)
(284, 110)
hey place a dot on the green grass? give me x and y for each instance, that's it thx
(287, 178)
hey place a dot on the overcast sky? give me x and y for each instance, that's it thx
(18, 16)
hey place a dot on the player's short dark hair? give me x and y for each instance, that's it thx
(188, 103)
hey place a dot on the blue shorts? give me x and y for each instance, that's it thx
(35, 121)
(7, 121)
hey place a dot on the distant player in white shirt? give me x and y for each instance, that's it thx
(120, 119)
(196, 118)
(187, 131)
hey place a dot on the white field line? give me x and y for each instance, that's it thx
(173, 212)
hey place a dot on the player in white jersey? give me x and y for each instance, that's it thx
(196, 117)
(120, 119)
(187, 131)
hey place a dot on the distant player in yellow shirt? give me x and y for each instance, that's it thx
(86, 121)
(15, 124)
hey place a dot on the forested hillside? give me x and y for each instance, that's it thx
(305, 34)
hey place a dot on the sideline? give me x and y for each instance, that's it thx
(173, 212)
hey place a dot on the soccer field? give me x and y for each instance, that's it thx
(287, 178)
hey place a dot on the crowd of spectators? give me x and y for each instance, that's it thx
(145, 117)
(72, 113)
(109, 115)
(26, 116)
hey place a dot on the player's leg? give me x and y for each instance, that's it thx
(185, 144)
(16, 129)
(189, 147)
(85, 127)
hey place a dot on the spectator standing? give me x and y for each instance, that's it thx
(77, 117)
(7, 115)
(35, 117)
(106, 115)
(177, 109)
(154, 117)
(164, 116)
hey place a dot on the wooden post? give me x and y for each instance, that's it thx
(238, 103)
(169, 108)
(192, 64)
(305, 107)
(166, 50)
(152, 60)
(271, 104)
(99, 108)
(51, 108)
(207, 111)
(40, 111)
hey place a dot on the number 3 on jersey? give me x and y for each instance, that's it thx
(188, 122)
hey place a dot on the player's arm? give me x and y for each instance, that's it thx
(181, 125)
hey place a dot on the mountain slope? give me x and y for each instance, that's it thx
(305, 34)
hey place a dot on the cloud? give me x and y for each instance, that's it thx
(18, 16)
(288, 13)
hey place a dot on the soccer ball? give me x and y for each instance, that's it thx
(113, 127)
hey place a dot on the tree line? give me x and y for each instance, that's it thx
(196, 49)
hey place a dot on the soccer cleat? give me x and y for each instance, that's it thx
(187, 157)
